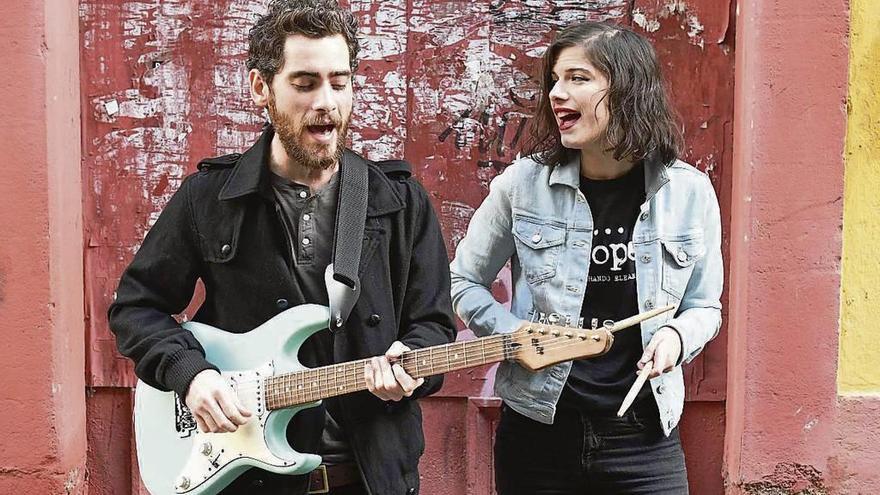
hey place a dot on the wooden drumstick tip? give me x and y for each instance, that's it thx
(634, 390)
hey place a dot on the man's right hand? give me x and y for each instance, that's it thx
(214, 404)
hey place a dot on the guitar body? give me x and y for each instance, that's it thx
(175, 457)
(262, 368)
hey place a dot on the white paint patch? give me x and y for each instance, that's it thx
(811, 424)
(111, 107)
(641, 20)
(378, 127)
(689, 22)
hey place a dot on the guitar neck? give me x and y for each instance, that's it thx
(301, 387)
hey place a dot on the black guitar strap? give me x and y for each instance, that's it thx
(341, 277)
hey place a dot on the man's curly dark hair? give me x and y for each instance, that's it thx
(312, 18)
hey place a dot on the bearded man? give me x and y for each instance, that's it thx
(258, 229)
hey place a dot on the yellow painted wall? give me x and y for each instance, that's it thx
(859, 365)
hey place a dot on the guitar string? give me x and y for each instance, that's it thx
(355, 368)
(325, 375)
(310, 389)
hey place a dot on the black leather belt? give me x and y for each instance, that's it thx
(325, 477)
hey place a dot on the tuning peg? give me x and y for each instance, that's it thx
(542, 318)
(553, 318)
(594, 323)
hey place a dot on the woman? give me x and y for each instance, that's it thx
(600, 222)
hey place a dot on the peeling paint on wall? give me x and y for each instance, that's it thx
(789, 479)
(449, 85)
(689, 22)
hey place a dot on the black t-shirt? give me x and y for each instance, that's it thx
(309, 222)
(598, 385)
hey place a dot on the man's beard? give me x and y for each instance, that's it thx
(292, 137)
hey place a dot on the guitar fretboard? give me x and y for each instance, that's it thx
(314, 384)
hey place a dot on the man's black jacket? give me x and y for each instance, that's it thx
(222, 226)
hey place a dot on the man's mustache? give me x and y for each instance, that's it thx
(325, 120)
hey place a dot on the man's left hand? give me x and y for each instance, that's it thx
(663, 351)
(386, 378)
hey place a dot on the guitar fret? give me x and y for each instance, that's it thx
(310, 385)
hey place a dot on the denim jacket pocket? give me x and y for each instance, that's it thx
(538, 244)
(680, 255)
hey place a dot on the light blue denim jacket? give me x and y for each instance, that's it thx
(537, 217)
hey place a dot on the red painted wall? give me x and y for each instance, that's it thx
(41, 293)
(786, 211)
(449, 85)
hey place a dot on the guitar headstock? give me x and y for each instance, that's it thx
(547, 341)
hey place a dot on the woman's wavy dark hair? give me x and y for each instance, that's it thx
(312, 18)
(641, 121)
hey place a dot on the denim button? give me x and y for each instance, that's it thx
(649, 304)
(257, 483)
(536, 238)
(661, 389)
(282, 303)
(411, 491)
(225, 249)
(307, 217)
(643, 216)
(374, 320)
(682, 256)
(646, 258)
(303, 194)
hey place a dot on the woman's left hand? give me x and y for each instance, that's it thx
(663, 350)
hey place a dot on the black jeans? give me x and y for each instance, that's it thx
(580, 454)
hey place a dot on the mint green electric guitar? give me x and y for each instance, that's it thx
(175, 457)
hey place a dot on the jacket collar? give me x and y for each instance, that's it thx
(569, 174)
(251, 175)
(251, 172)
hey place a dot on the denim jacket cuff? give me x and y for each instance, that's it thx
(683, 352)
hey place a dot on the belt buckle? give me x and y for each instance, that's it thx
(319, 475)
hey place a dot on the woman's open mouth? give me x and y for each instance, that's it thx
(567, 119)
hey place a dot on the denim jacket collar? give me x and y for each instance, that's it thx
(569, 174)
(655, 176)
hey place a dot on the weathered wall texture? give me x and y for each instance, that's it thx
(42, 437)
(449, 85)
(860, 305)
(785, 235)
(858, 419)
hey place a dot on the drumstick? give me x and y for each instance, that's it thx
(632, 320)
(634, 390)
